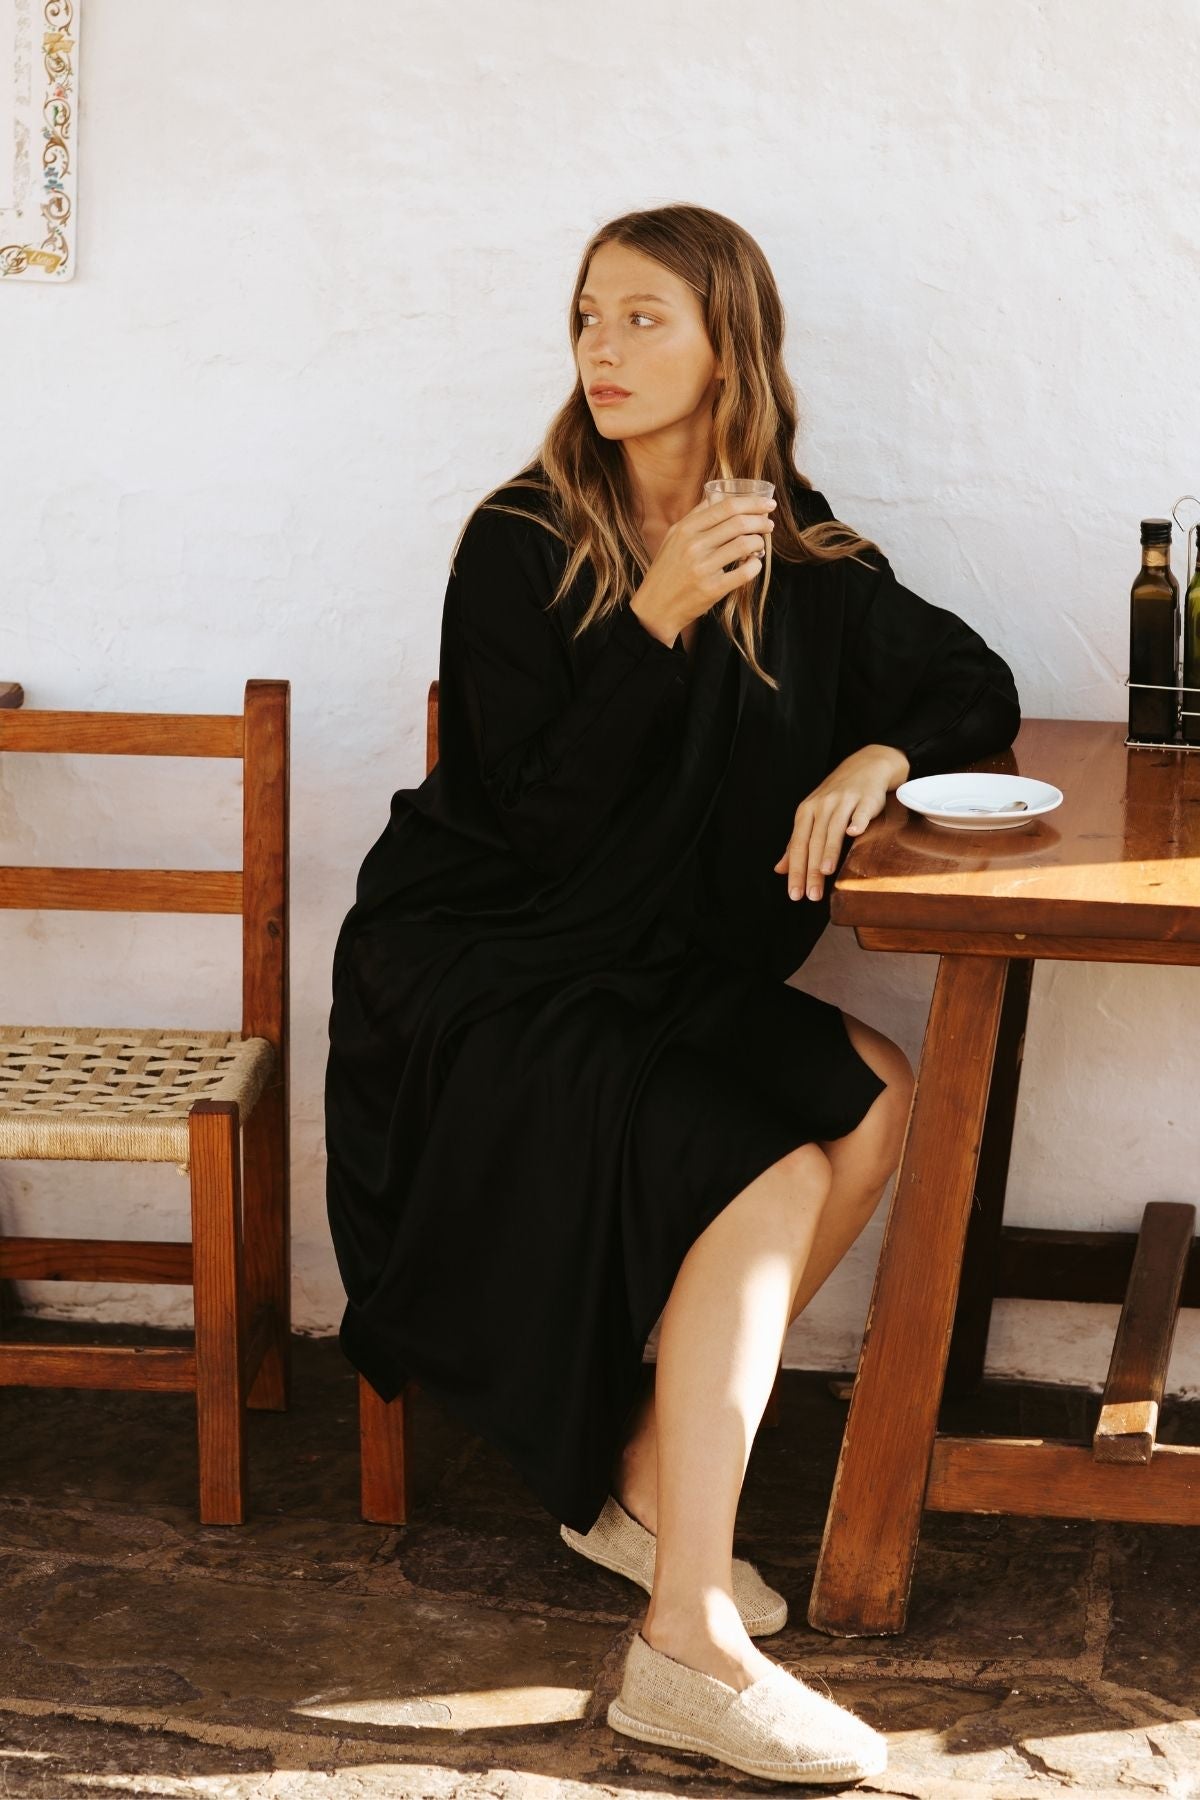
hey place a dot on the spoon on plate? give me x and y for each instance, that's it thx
(1009, 806)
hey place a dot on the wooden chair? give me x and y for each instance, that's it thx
(215, 1103)
(385, 1442)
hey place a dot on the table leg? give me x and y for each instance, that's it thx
(977, 1284)
(865, 1567)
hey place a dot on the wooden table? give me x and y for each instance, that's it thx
(1112, 876)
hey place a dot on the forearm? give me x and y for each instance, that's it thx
(984, 727)
(893, 764)
(851, 795)
(654, 618)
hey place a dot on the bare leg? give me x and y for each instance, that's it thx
(722, 1328)
(862, 1163)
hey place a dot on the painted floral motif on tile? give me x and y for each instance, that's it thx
(37, 193)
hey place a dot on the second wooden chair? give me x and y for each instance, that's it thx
(212, 1102)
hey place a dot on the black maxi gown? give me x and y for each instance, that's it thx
(562, 1037)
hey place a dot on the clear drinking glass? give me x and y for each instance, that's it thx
(737, 484)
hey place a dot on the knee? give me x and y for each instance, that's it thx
(895, 1104)
(787, 1199)
(897, 1071)
(879, 1138)
(887, 1120)
(809, 1173)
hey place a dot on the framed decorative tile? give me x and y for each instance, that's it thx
(39, 114)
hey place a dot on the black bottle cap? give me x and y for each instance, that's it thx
(1156, 531)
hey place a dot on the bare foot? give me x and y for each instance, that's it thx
(710, 1637)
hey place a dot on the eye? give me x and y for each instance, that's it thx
(585, 316)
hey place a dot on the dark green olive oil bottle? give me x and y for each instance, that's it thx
(1154, 640)
(1191, 653)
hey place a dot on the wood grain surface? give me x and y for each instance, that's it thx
(865, 1565)
(1120, 858)
(1046, 1478)
(1141, 1354)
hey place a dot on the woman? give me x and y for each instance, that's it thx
(569, 1087)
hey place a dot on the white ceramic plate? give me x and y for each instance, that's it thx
(950, 800)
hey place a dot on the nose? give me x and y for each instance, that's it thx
(600, 352)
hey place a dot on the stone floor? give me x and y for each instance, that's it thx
(309, 1656)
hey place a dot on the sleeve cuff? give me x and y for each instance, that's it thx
(628, 629)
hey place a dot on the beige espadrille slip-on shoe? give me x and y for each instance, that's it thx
(777, 1727)
(620, 1542)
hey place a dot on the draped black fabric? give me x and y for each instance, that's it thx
(562, 1037)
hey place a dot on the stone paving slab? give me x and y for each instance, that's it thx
(471, 1653)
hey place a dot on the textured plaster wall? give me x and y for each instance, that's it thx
(323, 268)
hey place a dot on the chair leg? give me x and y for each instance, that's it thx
(267, 1234)
(9, 1309)
(384, 1428)
(219, 1301)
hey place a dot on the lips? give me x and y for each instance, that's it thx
(606, 391)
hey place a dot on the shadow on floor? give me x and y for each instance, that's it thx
(470, 1652)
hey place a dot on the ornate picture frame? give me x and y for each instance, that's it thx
(39, 116)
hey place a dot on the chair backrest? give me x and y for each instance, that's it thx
(431, 727)
(260, 737)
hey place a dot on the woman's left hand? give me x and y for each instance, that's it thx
(844, 805)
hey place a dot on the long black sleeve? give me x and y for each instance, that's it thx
(918, 677)
(555, 730)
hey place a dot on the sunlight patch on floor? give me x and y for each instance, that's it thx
(454, 1711)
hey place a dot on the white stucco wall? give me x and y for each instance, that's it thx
(323, 264)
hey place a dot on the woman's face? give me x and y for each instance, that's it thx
(642, 329)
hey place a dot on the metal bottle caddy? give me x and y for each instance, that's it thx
(1187, 698)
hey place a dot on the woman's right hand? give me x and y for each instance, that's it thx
(689, 573)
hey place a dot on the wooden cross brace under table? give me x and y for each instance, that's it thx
(1113, 875)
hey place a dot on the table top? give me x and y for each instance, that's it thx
(1119, 858)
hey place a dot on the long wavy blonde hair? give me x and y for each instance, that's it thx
(585, 479)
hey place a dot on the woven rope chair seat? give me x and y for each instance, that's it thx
(92, 1093)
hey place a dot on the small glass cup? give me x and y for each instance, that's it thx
(738, 484)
